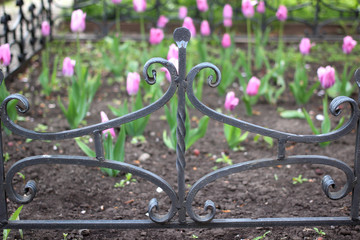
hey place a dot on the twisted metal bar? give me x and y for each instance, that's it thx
(30, 187)
(250, 165)
(181, 37)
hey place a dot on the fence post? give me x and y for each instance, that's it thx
(181, 37)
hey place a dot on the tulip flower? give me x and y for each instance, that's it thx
(253, 86)
(226, 41)
(132, 83)
(205, 28)
(305, 46)
(261, 7)
(228, 11)
(162, 21)
(5, 54)
(139, 5)
(45, 28)
(227, 14)
(156, 36)
(282, 13)
(231, 101)
(247, 8)
(227, 22)
(68, 67)
(326, 76)
(174, 61)
(116, 1)
(104, 118)
(78, 21)
(173, 52)
(182, 12)
(348, 44)
(188, 23)
(202, 5)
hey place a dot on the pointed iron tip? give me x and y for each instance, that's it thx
(182, 35)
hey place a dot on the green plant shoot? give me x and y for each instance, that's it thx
(299, 179)
(234, 137)
(13, 217)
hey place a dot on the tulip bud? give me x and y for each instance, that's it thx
(156, 36)
(78, 21)
(104, 118)
(68, 67)
(132, 83)
(205, 28)
(5, 54)
(348, 44)
(282, 13)
(231, 101)
(45, 28)
(253, 86)
(226, 41)
(326, 76)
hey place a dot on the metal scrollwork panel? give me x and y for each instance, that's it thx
(23, 106)
(30, 187)
(334, 108)
(327, 181)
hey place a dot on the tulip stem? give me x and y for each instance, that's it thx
(248, 107)
(281, 33)
(248, 23)
(142, 27)
(78, 46)
(117, 19)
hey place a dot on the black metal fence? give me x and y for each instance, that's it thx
(181, 200)
(22, 31)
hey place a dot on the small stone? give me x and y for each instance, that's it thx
(319, 171)
(143, 233)
(143, 157)
(84, 232)
(153, 134)
(320, 117)
(83, 212)
(196, 152)
(159, 190)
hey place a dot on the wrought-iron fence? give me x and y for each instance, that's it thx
(181, 201)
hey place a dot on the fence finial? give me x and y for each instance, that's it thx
(182, 37)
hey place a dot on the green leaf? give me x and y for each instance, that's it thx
(13, 217)
(292, 114)
(310, 122)
(119, 149)
(199, 133)
(167, 141)
(85, 148)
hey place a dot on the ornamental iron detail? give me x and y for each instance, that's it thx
(180, 213)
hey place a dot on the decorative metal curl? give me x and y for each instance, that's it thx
(16, 129)
(256, 164)
(30, 187)
(195, 70)
(168, 65)
(283, 136)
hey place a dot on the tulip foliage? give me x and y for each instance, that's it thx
(192, 134)
(81, 93)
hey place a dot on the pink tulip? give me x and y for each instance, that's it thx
(253, 86)
(5, 54)
(68, 67)
(45, 28)
(156, 36)
(282, 13)
(104, 118)
(139, 5)
(227, 22)
(261, 7)
(231, 101)
(188, 23)
(202, 5)
(116, 1)
(228, 11)
(205, 28)
(132, 83)
(305, 46)
(173, 52)
(162, 21)
(182, 12)
(226, 41)
(326, 76)
(78, 21)
(348, 44)
(174, 61)
(247, 8)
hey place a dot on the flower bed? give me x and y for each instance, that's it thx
(283, 190)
